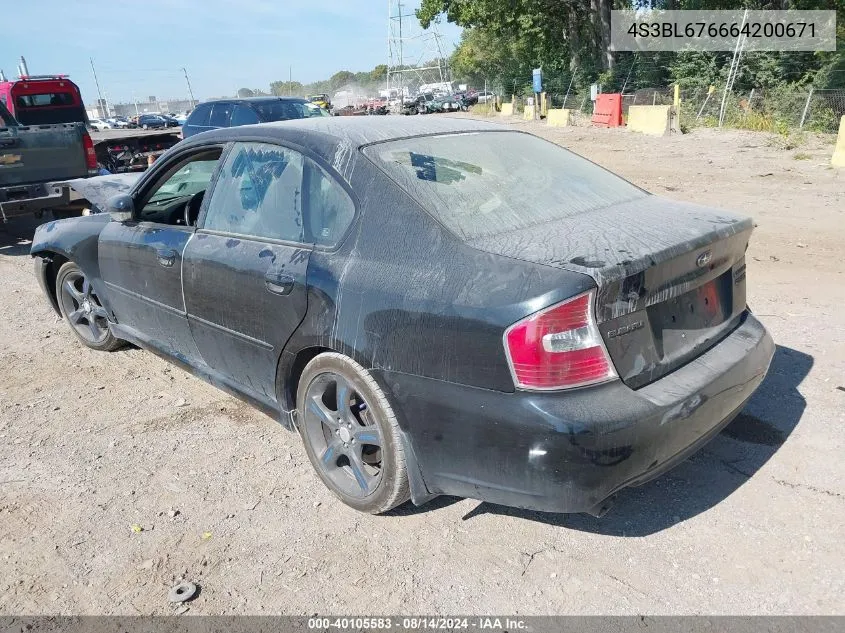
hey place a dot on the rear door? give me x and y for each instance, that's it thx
(244, 270)
(141, 259)
(221, 114)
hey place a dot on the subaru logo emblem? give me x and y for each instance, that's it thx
(703, 259)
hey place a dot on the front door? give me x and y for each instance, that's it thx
(244, 270)
(141, 258)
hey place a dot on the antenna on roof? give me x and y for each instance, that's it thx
(2, 75)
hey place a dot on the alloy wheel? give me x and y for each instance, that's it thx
(347, 441)
(83, 309)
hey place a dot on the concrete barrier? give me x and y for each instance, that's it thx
(838, 158)
(655, 120)
(528, 113)
(558, 118)
(507, 109)
(607, 111)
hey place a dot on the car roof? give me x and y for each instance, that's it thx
(332, 137)
(362, 130)
(253, 99)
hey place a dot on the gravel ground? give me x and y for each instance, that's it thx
(92, 444)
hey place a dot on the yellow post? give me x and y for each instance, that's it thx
(544, 105)
(677, 101)
(838, 158)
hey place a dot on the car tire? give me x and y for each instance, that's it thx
(145, 126)
(351, 434)
(81, 308)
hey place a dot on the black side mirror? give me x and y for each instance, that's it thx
(120, 207)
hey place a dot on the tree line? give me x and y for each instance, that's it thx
(503, 41)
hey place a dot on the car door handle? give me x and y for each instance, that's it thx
(9, 142)
(166, 257)
(279, 284)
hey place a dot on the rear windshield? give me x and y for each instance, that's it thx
(285, 110)
(488, 183)
(45, 100)
(48, 107)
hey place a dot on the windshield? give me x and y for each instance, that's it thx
(284, 110)
(489, 183)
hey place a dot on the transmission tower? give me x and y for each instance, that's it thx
(411, 49)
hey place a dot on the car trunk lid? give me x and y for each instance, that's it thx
(670, 276)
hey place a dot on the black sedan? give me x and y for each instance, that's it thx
(436, 306)
(152, 122)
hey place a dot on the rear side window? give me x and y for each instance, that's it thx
(259, 193)
(482, 184)
(286, 109)
(221, 114)
(6, 119)
(244, 115)
(328, 208)
(200, 116)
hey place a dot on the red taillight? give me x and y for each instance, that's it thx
(559, 347)
(90, 154)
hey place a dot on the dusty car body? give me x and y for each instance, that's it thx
(542, 356)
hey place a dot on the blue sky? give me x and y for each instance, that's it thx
(139, 47)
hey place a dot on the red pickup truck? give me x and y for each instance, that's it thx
(45, 144)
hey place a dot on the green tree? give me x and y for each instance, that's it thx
(284, 88)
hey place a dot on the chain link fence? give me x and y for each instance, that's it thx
(778, 110)
(770, 111)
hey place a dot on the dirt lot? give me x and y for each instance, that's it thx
(91, 444)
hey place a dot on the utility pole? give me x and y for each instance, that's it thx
(99, 92)
(290, 80)
(190, 91)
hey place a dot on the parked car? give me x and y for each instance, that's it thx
(212, 115)
(485, 96)
(99, 124)
(420, 104)
(427, 322)
(170, 121)
(118, 122)
(151, 121)
(449, 103)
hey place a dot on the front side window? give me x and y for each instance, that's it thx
(259, 194)
(180, 185)
(221, 114)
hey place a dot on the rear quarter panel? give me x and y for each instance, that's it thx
(402, 294)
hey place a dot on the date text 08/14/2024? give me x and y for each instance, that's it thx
(417, 623)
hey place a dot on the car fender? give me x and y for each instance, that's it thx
(76, 240)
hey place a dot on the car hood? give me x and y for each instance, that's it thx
(99, 189)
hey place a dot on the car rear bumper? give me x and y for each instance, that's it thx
(570, 452)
